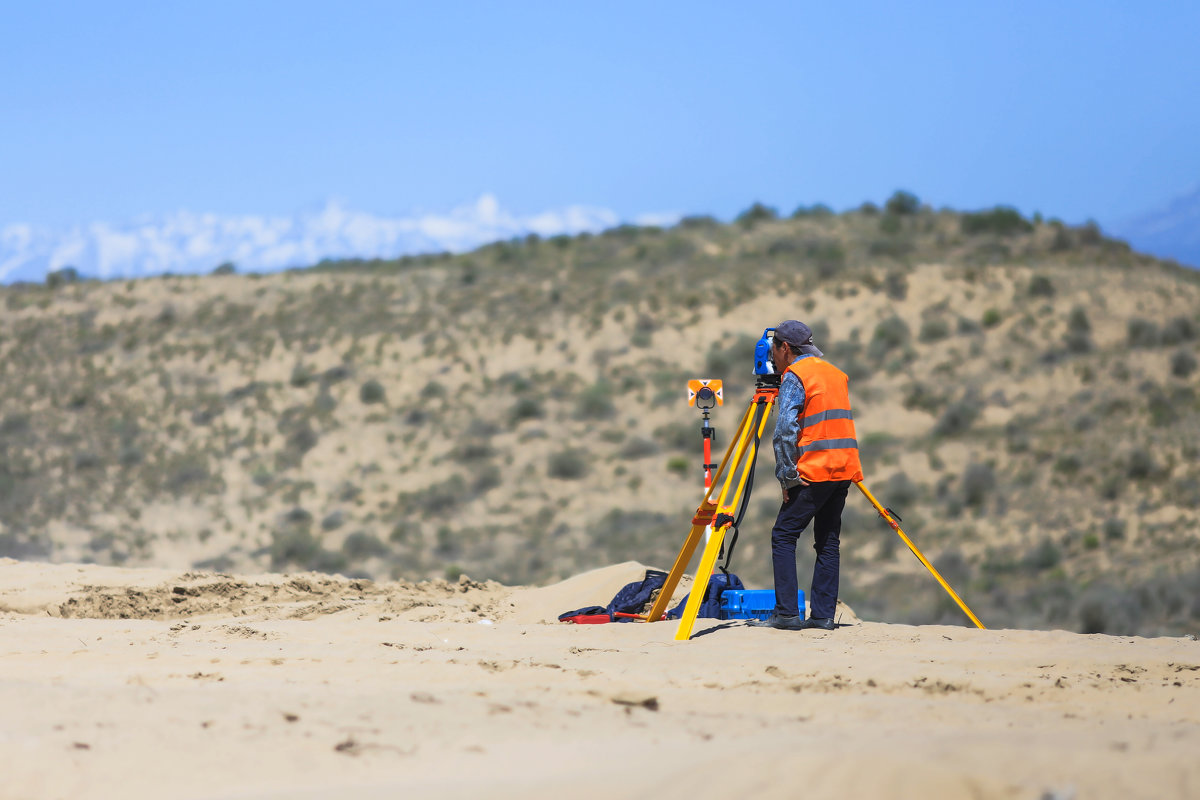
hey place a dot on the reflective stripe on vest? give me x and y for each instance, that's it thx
(821, 416)
(828, 443)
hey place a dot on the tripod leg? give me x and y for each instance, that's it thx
(702, 519)
(700, 585)
(891, 521)
(700, 522)
(745, 458)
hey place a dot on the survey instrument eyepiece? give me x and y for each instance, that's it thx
(763, 365)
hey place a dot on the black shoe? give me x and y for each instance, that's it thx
(818, 623)
(783, 622)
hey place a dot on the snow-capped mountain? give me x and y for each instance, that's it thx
(1169, 232)
(187, 242)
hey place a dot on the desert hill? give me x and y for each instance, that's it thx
(1025, 394)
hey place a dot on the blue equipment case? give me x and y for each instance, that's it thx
(752, 603)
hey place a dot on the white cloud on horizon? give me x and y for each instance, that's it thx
(188, 242)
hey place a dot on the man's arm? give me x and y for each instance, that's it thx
(787, 431)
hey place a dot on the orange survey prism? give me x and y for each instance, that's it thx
(696, 389)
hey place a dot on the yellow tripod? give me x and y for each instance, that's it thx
(736, 465)
(739, 461)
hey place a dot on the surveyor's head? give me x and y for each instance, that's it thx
(797, 336)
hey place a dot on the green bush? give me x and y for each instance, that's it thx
(1045, 555)
(890, 224)
(293, 547)
(1113, 528)
(978, 481)
(1040, 286)
(62, 277)
(890, 335)
(360, 545)
(526, 408)
(1062, 238)
(567, 465)
(595, 402)
(437, 499)
(958, 417)
(1078, 338)
(895, 284)
(679, 465)
(1178, 330)
(902, 203)
(890, 247)
(1077, 320)
(755, 214)
(1140, 464)
(1068, 464)
(697, 222)
(335, 375)
(968, 327)
(992, 317)
(829, 257)
(1090, 233)
(1001, 220)
(433, 391)
(900, 491)
(1183, 363)
(484, 480)
(1142, 333)
(922, 395)
(783, 247)
(934, 330)
(1163, 408)
(301, 376)
(372, 392)
(639, 447)
(299, 439)
(679, 436)
(815, 210)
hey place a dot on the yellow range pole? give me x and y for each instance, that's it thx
(890, 520)
(744, 457)
(701, 520)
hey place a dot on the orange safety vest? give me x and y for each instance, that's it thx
(828, 444)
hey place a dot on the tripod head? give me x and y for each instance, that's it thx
(767, 381)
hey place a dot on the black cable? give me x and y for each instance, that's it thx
(745, 504)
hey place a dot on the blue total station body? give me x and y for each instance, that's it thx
(762, 354)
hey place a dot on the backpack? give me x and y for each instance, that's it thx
(631, 600)
(635, 598)
(710, 606)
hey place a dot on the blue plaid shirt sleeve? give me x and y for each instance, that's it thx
(788, 410)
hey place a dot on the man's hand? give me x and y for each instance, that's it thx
(787, 492)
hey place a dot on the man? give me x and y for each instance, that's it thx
(816, 457)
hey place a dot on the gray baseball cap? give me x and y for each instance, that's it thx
(798, 335)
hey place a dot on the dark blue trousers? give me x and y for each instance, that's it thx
(821, 503)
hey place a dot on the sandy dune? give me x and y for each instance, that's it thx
(153, 683)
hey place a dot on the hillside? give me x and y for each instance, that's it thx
(1026, 395)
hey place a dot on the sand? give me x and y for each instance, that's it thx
(155, 683)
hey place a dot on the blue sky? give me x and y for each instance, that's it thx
(115, 112)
